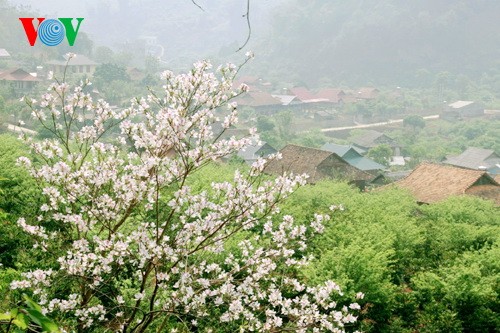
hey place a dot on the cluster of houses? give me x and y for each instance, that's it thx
(475, 172)
(22, 81)
(263, 98)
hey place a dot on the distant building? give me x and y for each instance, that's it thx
(431, 183)
(18, 79)
(303, 94)
(318, 164)
(352, 155)
(332, 95)
(286, 100)
(397, 161)
(367, 93)
(80, 64)
(462, 109)
(256, 150)
(475, 158)
(4, 54)
(135, 73)
(371, 139)
(260, 101)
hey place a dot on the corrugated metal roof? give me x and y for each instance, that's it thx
(459, 104)
(364, 163)
(341, 150)
(4, 53)
(474, 157)
(285, 99)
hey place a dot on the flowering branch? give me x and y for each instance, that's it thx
(137, 247)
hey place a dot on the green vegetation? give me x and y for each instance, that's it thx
(422, 268)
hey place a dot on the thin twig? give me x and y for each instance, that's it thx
(197, 5)
(247, 15)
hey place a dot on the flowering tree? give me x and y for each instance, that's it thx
(137, 248)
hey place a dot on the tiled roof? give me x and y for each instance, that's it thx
(432, 182)
(473, 158)
(372, 138)
(367, 93)
(331, 94)
(17, 74)
(318, 164)
(257, 98)
(303, 94)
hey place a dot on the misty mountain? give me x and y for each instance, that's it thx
(381, 40)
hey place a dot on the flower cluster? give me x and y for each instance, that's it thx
(142, 246)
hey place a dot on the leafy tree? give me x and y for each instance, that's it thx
(264, 124)
(381, 154)
(414, 121)
(107, 73)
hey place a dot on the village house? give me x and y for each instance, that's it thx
(371, 139)
(333, 95)
(352, 155)
(80, 64)
(475, 158)
(20, 80)
(256, 150)
(462, 109)
(261, 101)
(431, 183)
(367, 93)
(254, 83)
(303, 95)
(318, 164)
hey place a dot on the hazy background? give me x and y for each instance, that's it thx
(181, 28)
(312, 43)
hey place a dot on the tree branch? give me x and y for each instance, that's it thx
(247, 15)
(197, 5)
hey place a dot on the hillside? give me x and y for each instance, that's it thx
(382, 41)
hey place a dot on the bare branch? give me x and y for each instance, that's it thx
(197, 5)
(247, 15)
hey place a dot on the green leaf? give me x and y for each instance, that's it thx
(5, 316)
(31, 304)
(21, 321)
(46, 324)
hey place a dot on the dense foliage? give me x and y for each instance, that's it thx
(422, 268)
(125, 243)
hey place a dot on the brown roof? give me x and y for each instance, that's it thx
(303, 94)
(17, 74)
(489, 192)
(432, 182)
(331, 94)
(318, 164)
(367, 93)
(258, 98)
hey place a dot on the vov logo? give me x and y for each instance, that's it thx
(51, 31)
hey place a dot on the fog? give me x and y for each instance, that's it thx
(178, 28)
